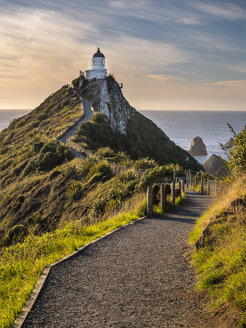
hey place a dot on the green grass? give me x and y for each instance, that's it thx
(178, 201)
(221, 261)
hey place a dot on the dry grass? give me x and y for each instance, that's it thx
(220, 256)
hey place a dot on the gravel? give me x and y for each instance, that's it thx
(135, 277)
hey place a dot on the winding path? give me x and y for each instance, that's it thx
(88, 113)
(135, 277)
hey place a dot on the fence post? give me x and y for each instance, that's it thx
(201, 185)
(149, 202)
(216, 187)
(163, 197)
(182, 186)
(187, 180)
(190, 178)
(195, 181)
(173, 192)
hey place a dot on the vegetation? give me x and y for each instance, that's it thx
(52, 203)
(143, 139)
(238, 153)
(219, 241)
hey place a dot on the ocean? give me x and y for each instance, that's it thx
(7, 115)
(211, 126)
(180, 126)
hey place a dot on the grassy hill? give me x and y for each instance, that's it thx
(42, 186)
(219, 241)
(142, 137)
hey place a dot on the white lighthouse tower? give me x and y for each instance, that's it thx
(98, 69)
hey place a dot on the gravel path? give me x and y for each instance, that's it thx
(135, 277)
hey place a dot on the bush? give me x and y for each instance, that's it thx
(16, 234)
(238, 153)
(70, 171)
(145, 163)
(98, 208)
(49, 161)
(156, 174)
(49, 155)
(87, 164)
(31, 167)
(74, 191)
(105, 152)
(102, 168)
(127, 176)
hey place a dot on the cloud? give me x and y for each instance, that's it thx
(164, 77)
(43, 49)
(40, 42)
(241, 68)
(229, 83)
(225, 10)
(154, 11)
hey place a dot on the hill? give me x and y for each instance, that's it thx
(121, 127)
(43, 185)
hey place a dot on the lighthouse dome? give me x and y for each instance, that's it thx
(98, 53)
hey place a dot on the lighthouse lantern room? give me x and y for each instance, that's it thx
(98, 69)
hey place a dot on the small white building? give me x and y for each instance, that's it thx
(98, 69)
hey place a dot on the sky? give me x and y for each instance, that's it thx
(169, 54)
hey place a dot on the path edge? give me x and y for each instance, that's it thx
(39, 285)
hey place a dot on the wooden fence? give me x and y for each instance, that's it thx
(206, 186)
(177, 184)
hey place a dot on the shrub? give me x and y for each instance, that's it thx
(31, 167)
(70, 171)
(127, 176)
(16, 234)
(156, 174)
(105, 152)
(75, 191)
(48, 161)
(49, 155)
(87, 164)
(98, 207)
(113, 204)
(238, 153)
(145, 163)
(102, 168)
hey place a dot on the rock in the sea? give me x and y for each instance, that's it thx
(228, 144)
(197, 147)
(215, 165)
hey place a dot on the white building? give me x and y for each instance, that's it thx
(98, 69)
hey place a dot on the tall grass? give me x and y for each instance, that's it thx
(221, 260)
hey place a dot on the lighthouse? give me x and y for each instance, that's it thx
(98, 70)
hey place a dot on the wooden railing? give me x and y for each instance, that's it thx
(177, 184)
(208, 186)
